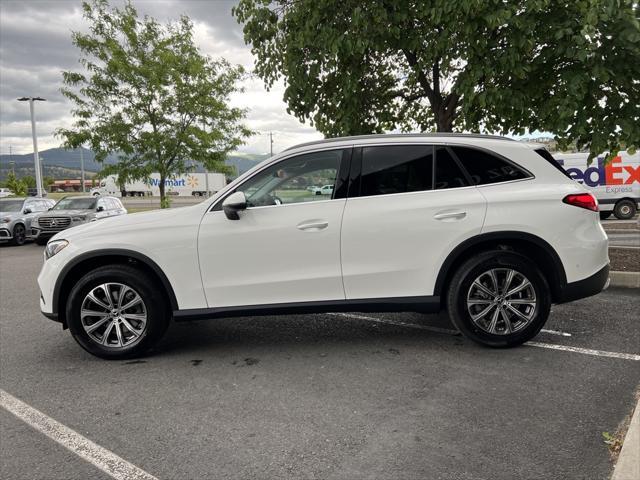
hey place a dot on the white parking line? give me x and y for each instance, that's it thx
(556, 332)
(400, 324)
(585, 351)
(107, 461)
(552, 346)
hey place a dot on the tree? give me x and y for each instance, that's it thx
(353, 67)
(149, 96)
(18, 187)
(29, 181)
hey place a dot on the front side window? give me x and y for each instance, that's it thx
(486, 168)
(11, 205)
(396, 169)
(304, 178)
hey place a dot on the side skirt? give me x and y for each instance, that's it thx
(400, 304)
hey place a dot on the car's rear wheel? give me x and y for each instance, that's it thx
(19, 234)
(117, 312)
(625, 210)
(499, 299)
(605, 215)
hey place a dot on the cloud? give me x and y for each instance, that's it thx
(35, 47)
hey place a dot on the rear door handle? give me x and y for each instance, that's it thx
(313, 226)
(450, 215)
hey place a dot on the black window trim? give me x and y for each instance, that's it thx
(217, 206)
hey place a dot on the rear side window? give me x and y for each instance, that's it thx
(549, 158)
(448, 172)
(396, 169)
(485, 168)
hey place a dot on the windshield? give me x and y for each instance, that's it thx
(11, 205)
(82, 203)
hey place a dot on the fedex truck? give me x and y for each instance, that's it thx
(191, 184)
(616, 184)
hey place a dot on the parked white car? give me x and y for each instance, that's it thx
(483, 227)
(5, 192)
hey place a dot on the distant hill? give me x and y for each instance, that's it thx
(61, 163)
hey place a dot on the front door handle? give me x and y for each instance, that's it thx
(313, 226)
(450, 215)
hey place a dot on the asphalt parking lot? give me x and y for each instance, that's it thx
(322, 396)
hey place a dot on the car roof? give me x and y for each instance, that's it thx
(441, 136)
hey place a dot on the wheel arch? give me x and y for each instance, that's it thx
(86, 262)
(529, 245)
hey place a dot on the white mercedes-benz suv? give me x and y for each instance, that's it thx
(490, 229)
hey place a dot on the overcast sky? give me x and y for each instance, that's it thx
(35, 46)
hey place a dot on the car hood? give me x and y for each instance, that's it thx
(113, 226)
(11, 215)
(57, 213)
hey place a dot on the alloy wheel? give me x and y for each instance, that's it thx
(501, 301)
(114, 315)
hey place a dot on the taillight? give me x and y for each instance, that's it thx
(582, 200)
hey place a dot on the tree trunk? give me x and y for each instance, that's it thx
(443, 118)
(163, 202)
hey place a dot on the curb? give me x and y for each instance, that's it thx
(625, 280)
(628, 465)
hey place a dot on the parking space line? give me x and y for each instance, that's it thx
(556, 332)
(552, 346)
(448, 331)
(105, 460)
(585, 351)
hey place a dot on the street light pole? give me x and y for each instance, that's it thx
(36, 158)
(82, 167)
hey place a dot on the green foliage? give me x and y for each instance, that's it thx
(17, 186)
(354, 67)
(150, 96)
(29, 181)
(47, 182)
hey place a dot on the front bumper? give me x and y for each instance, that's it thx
(587, 287)
(5, 234)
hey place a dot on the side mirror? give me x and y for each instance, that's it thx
(100, 209)
(26, 211)
(233, 204)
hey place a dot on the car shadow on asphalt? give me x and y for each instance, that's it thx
(300, 330)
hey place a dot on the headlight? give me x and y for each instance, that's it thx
(79, 218)
(54, 247)
(5, 220)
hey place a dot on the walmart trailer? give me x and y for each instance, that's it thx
(191, 184)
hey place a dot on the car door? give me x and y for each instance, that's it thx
(411, 205)
(285, 247)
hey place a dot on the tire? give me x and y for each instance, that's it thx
(625, 210)
(41, 241)
(121, 341)
(605, 215)
(19, 235)
(463, 288)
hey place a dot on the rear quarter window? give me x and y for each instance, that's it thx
(549, 158)
(485, 168)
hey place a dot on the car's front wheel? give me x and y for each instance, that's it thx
(19, 235)
(117, 312)
(499, 299)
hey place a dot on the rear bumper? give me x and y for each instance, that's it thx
(587, 287)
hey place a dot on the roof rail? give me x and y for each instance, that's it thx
(399, 135)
